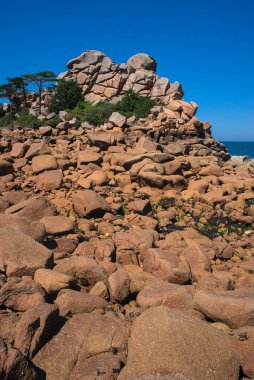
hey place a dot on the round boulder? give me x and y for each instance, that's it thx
(176, 343)
(142, 61)
(90, 57)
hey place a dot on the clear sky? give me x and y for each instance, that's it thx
(206, 45)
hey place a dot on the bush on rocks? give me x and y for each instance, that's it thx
(67, 96)
(132, 104)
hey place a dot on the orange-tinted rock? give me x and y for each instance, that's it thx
(20, 254)
(21, 294)
(208, 354)
(74, 302)
(88, 203)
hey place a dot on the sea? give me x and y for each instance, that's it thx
(240, 148)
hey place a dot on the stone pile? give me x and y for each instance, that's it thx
(126, 249)
(103, 80)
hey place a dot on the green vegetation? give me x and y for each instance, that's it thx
(16, 88)
(2, 113)
(24, 119)
(51, 122)
(94, 114)
(68, 95)
(132, 104)
(8, 90)
(19, 86)
(40, 80)
(7, 120)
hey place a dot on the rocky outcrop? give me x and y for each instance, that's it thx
(135, 227)
(103, 80)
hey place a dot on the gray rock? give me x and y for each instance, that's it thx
(91, 57)
(142, 61)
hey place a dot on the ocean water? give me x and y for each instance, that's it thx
(240, 148)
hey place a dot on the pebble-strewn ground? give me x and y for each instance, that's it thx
(126, 252)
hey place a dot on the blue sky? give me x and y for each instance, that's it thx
(206, 45)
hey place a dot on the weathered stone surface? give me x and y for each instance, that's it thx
(198, 359)
(52, 281)
(57, 225)
(89, 57)
(37, 149)
(142, 61)
(49, 180)
(33, 208)
(73, 302)
(158, 376)
(157, 293)
(132, 243)
(84, 338)
(35, 327)
(168, 265)
(14, 197)
(117, 119)
(235, 308)
(18, 150)
(8, 321)
(119, 285)
(85, 157)
(20, 254)
(42, 163)
(5, 167)
(21, 294)
(88, 203)
(85, 270)
(164, 215)
(139, 205)
(36, 230)
(14, 365)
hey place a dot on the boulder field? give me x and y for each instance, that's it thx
(126, 249)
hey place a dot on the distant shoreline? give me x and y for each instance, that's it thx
(240, 148)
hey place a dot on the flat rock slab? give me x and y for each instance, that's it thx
(33, 208)
(20, 254)
(235, 308)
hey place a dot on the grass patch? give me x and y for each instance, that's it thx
(132, 104)
(94, 114)
(7, 120)
(51, 122)
(27, 120)
(23, 120)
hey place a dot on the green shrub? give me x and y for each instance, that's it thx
(79, 110)
(134, 104)
(2, 112)
(27, 120)
(7, 120)
(68, 95)
(98, 114)
(24, 120)
(52, 122)
(131, 104)
(94, 114)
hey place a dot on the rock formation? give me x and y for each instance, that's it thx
(103, 80)
(126, 249)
